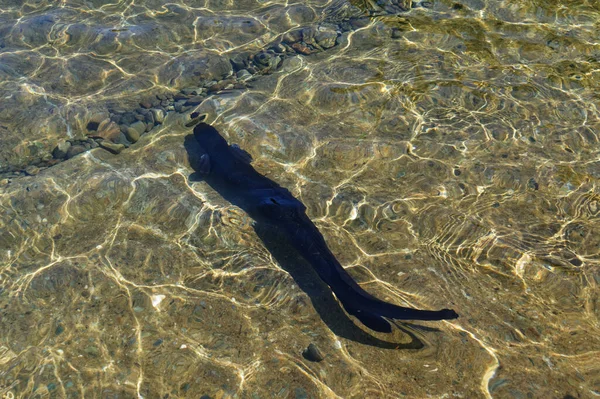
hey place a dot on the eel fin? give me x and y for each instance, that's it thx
(374, 322)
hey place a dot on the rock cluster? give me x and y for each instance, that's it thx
(117, 128)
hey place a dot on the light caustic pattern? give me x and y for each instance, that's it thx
(449, 157)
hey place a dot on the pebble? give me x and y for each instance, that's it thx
(313, 353)
(32, 170)
(132, 134)
(74, 150)
(139, 127)
(109, 130)
(301, 48)
(158, 114)
(326, 37)
(60, 152)
(149, 119)
(194, 100)
(188, 91)
(300, 393)
(112, 147)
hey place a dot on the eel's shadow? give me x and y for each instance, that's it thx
(290, 260)
(320, 294)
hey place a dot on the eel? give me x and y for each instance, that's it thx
(228, 170)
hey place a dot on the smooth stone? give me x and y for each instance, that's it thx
(300, 393)
(149, 120)
(132, 134)
(75, 150)
(139, 127)
(60, 152)
(32, 170)
(194, 100)
(109, 130)
(179, 105)
(98, 117)
(301, 48)
(262, 59)
(128, 118)
(180, 96)
(313, 353)
(279, 48)
(326, 37)
(239, 61)
(112, 147)
(158, 114)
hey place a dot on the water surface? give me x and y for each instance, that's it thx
(448, 152)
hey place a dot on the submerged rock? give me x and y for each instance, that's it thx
(60, 152)
(313, 353)
(112, 147)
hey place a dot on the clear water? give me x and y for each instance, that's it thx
(449, 154)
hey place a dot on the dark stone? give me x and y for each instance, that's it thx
(116, 118)
(532, 184)
(239, 61)
(149, 119)
(180, 96)
(576, 262)
(262, 59)
(359, 23)
(194, 100)
(312, 353)
(300, 393)
(75, 150)
(278, 48)
(92, 126)
(60, 152)
(128, 118)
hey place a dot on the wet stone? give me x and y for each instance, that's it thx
(75, 150)
(109, 130)
(194, 100)
(243, 74)
(188, 91)
(179, 105)
(112, 147)
(279, 48)
(32, 170)
(60, 152)
(300, 393)
(132, 134)
(180, 96)
(312, 353)
(326, 37)
(302, 48)
(139, 127)
(158, 114)
(149, 119)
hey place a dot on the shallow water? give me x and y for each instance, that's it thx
(448, 153)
